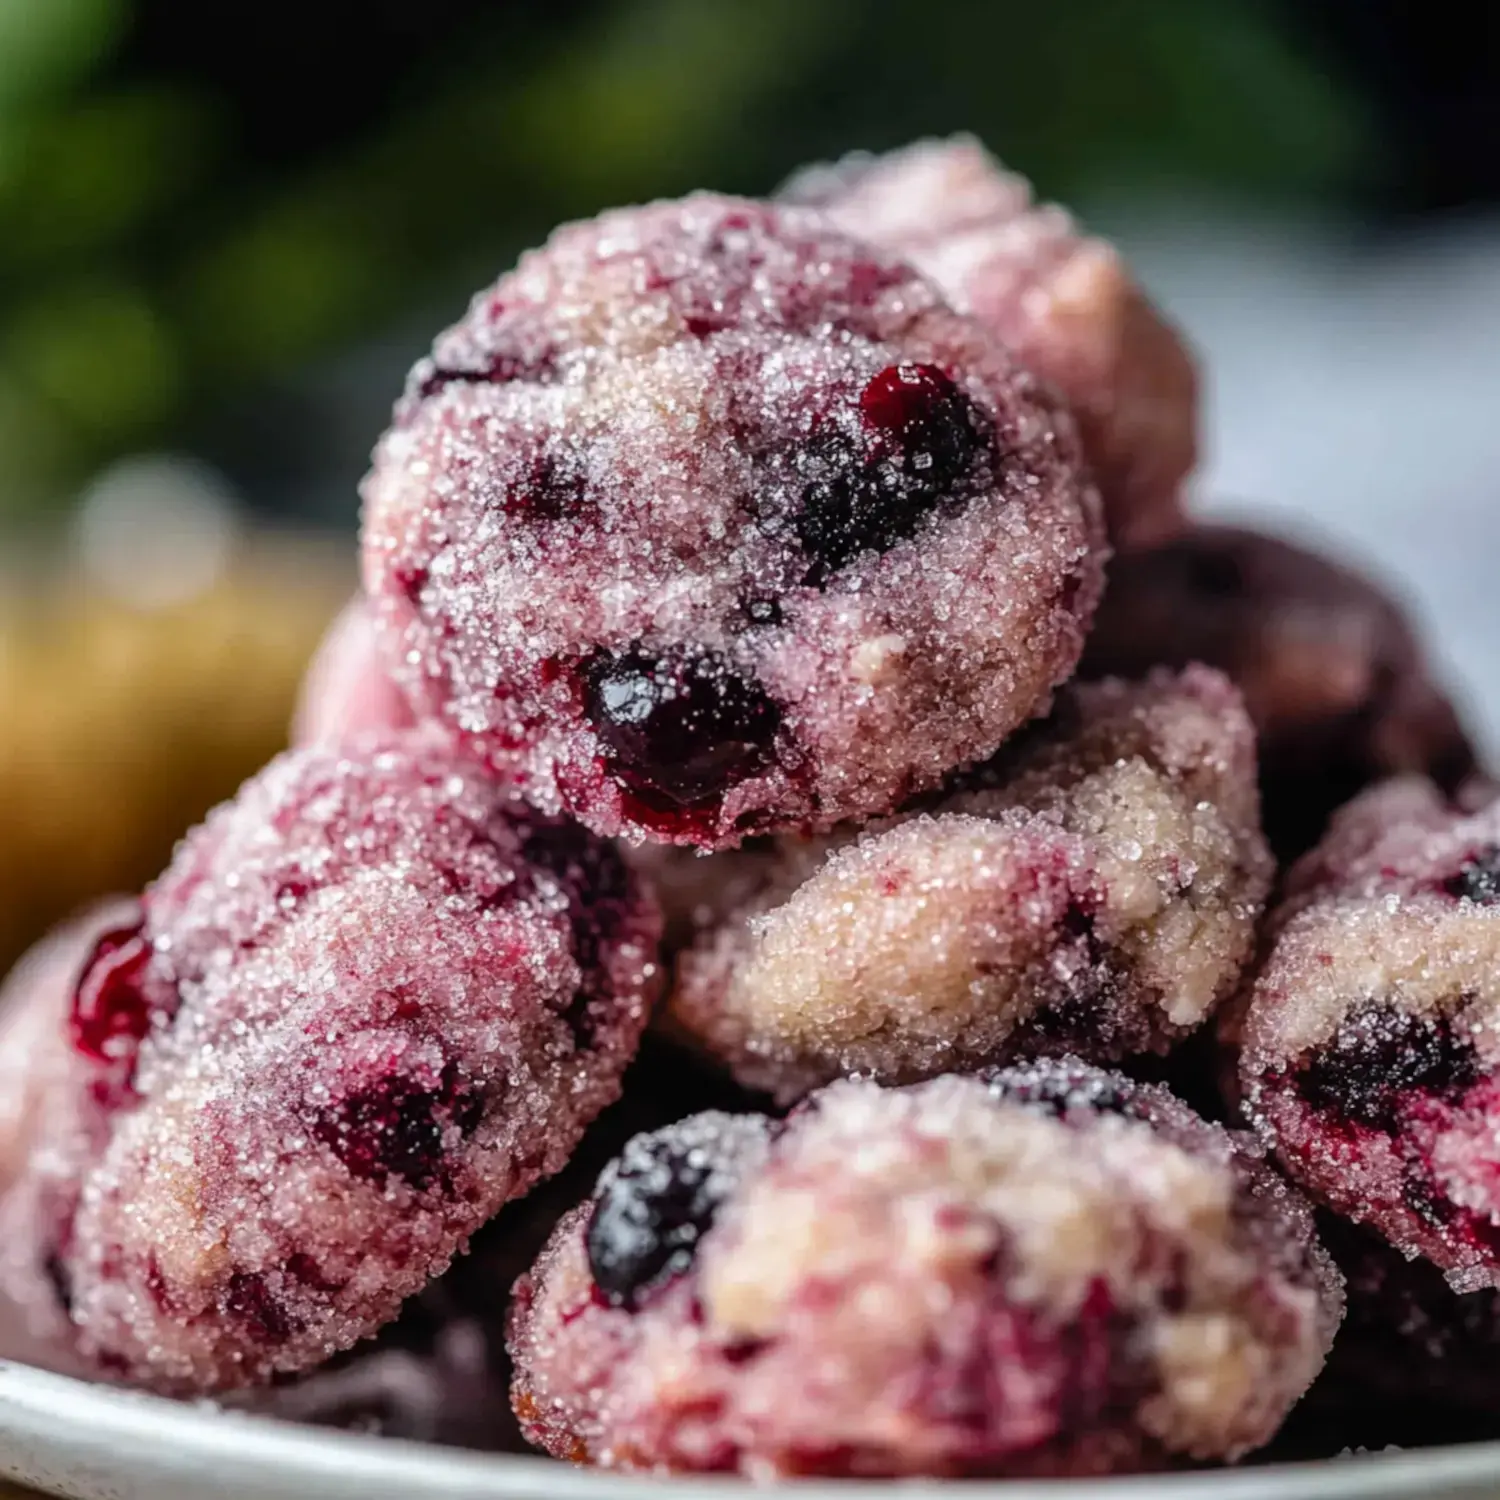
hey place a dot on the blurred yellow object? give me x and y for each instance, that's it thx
(120, 727)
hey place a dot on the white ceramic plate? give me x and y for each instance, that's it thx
(88, 1442)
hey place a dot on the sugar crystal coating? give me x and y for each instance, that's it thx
(1332, 672)
(348, 689)
(440, 1372)
(1063, 302)
(1094, 889)
(1053, 1271)
(384, 997)
(709, 520)
(1368, 1053)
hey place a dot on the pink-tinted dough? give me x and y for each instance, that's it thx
(709, 520)
(51, 1121)
(372, 999)
(1094, 889)
(441, 1373)
(1054, 1271)
(1369, 1043)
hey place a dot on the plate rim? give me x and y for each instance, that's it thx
(62, 1421)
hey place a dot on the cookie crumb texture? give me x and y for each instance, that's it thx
(1334, 677)
(1368, 1044)
(1064, 302)
(1093, 890)
(1054, 1271)
(709, 520)
(371, 1000)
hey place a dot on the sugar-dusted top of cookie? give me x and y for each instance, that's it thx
(1052, 1271)
(1397, 909)
(371, 999)
(1406, 838)
(709, 519)
(1094, 888)
(1064, 301)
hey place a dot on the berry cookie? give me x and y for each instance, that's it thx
(1063, 302)
(371, 1000)
(1369, 1051)
(1054, 1271)
(1332, 673)
(1092, 890)
(709, 520)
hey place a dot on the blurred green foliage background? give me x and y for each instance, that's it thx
(200, 203)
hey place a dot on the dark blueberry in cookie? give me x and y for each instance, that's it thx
(1061, 1089)
(654, 1204)
(921, 438)
(682, 727)
(1380, 1058)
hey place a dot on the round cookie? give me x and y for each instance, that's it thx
(1369, 1049)
(1332, 673)
(348, 690)
(371, 1000)
(1063, 302)
(1052, 1272)
(708, 520)
(1093, 890)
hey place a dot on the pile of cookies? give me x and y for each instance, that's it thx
(731, 726)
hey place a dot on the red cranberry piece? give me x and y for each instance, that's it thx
(683, 727)
(923, 437)
(655, 1203)
(394, 1127)
(411, 582)
(1380, 1059)
(1479, 880)
(112, 1009)
(909, 400)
